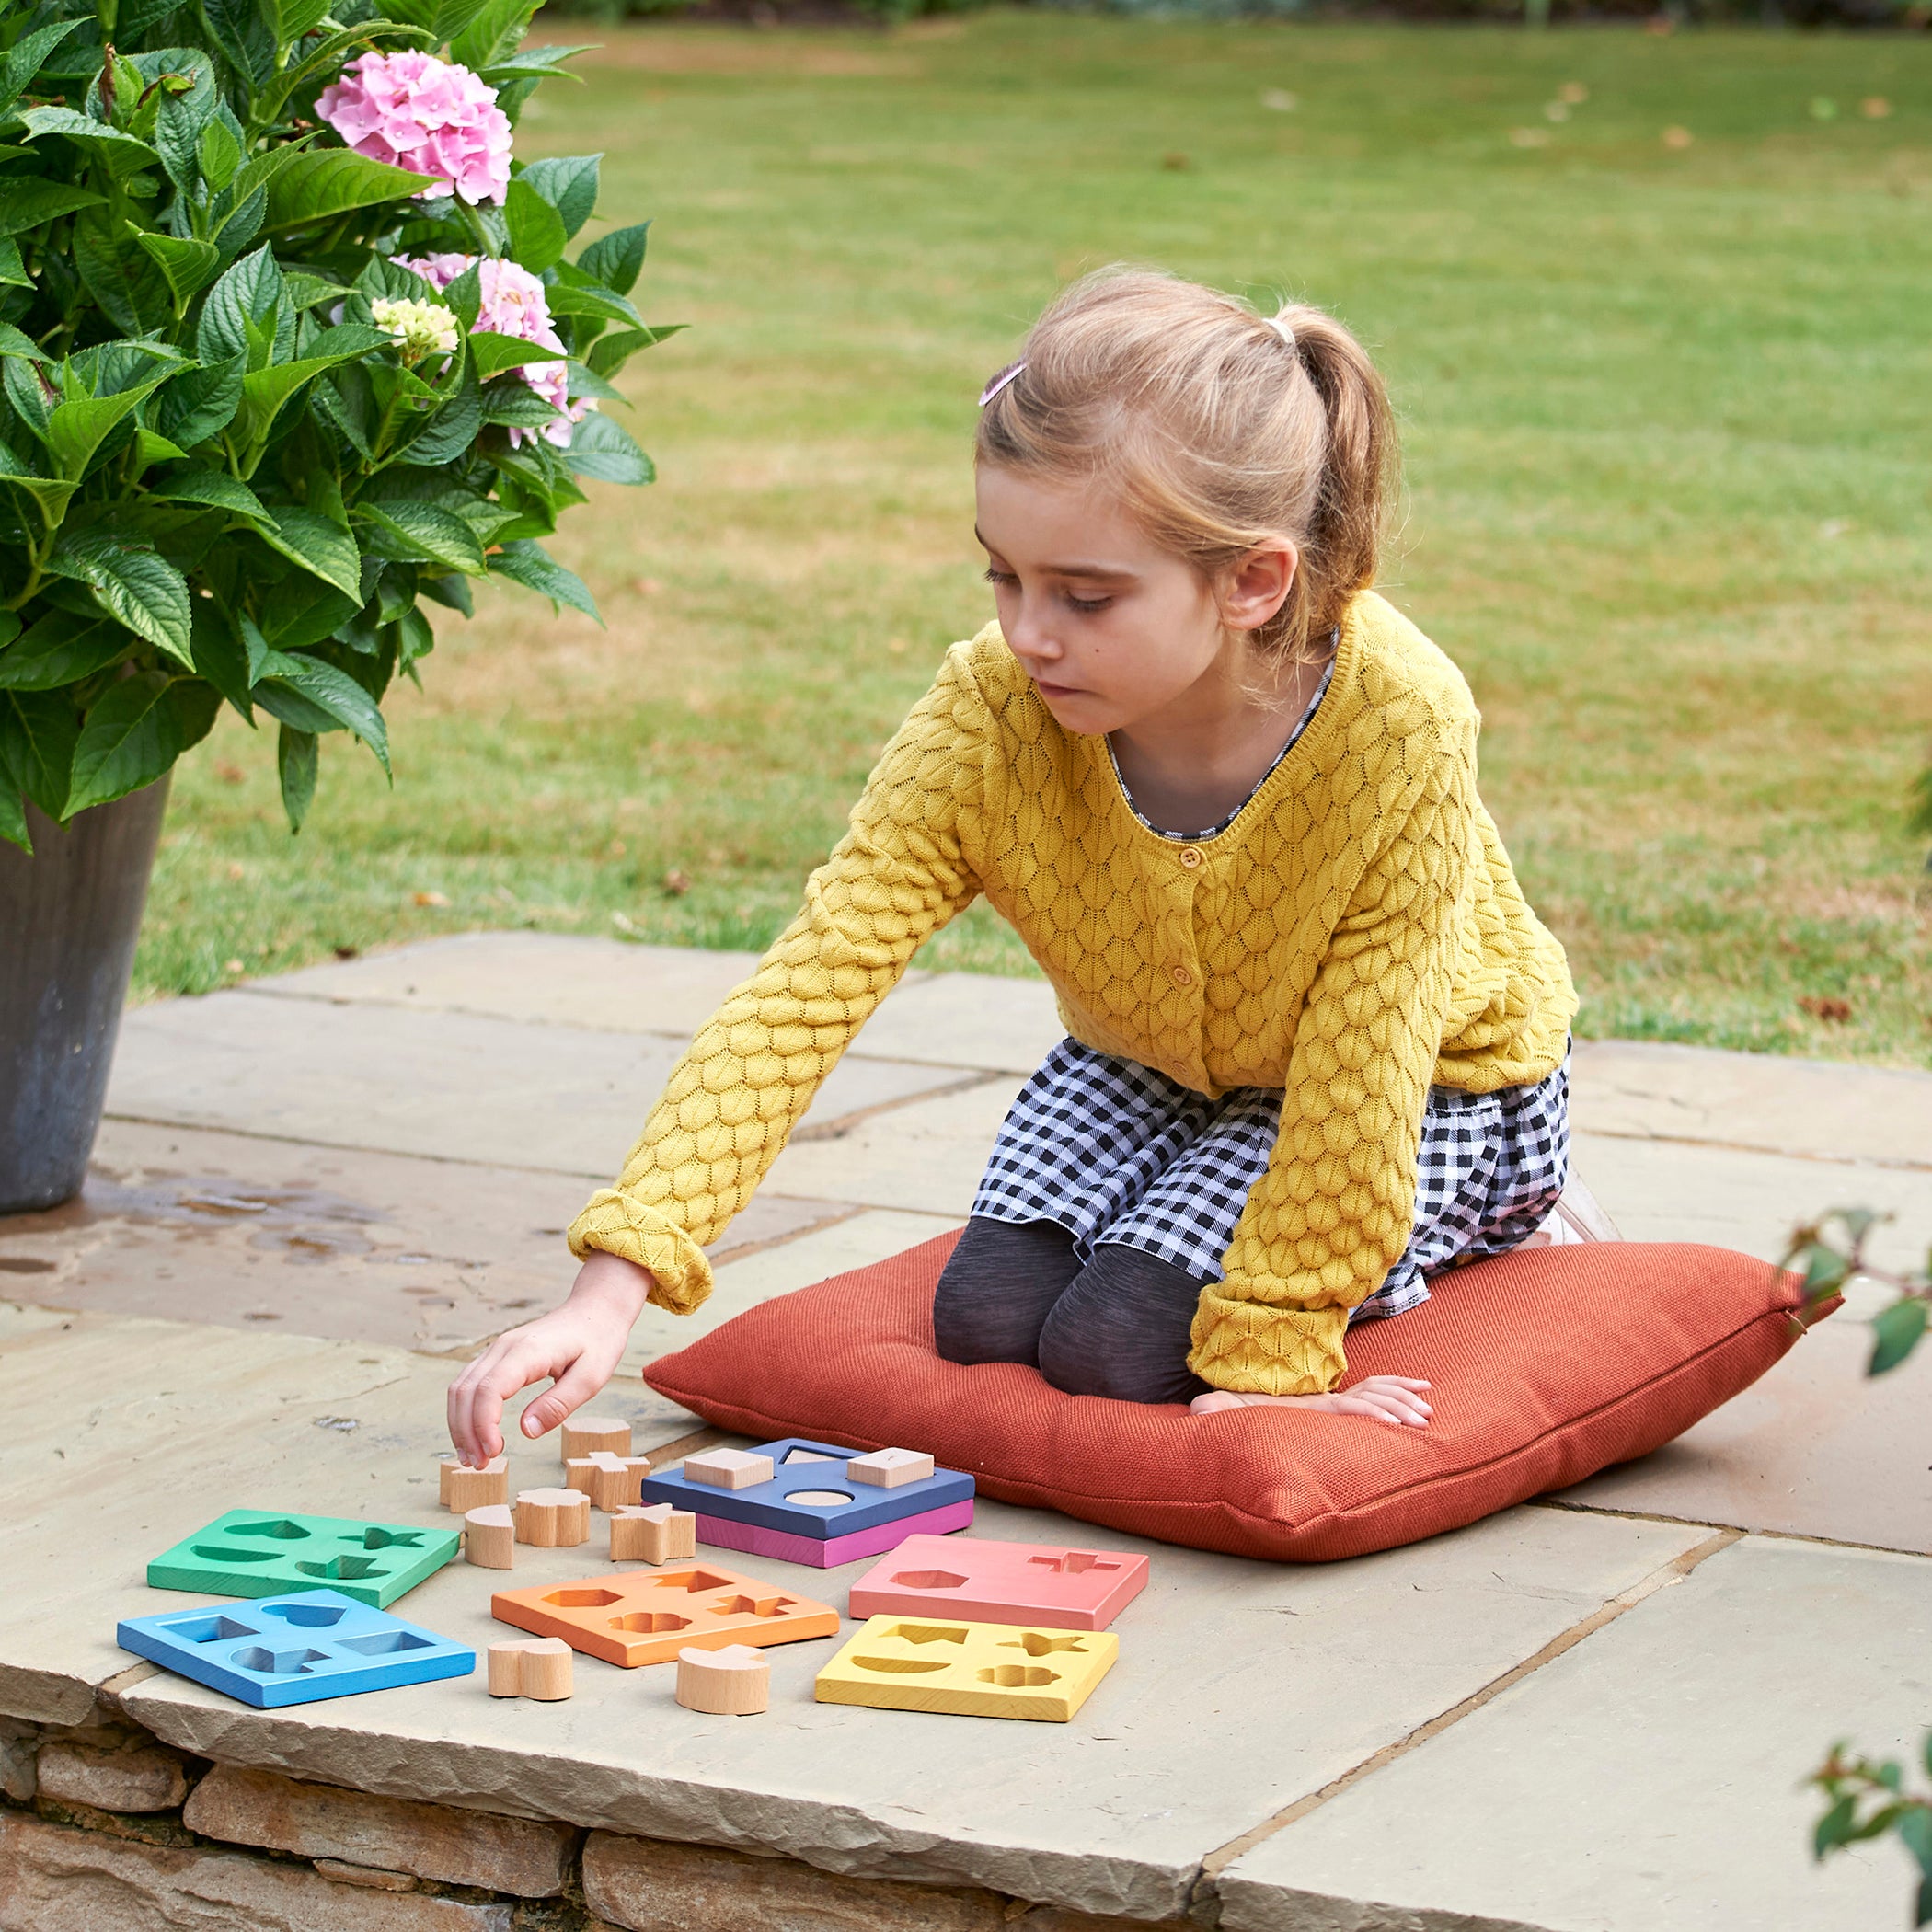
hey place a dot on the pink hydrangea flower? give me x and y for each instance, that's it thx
(416, 112)
(513, 302)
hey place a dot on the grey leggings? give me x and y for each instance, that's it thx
(1118, 1326)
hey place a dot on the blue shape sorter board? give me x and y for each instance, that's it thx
(800, 1464)
(264, 1553)
(293, 1650)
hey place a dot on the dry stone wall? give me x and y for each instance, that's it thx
(105, 1829)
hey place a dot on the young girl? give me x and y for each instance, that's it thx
(1316, 1039)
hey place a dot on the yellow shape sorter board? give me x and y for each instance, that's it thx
(968, 1670)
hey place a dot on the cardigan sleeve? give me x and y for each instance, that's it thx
(1334, 1211)
(898, 875)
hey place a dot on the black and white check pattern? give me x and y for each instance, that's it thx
(1114, 1151)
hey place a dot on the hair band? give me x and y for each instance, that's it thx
(1000, 381)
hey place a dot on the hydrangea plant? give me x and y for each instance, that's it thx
(290, 343)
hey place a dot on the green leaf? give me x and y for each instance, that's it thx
(601, 449)
(151, 449)
(242, 313)
(27, 56)
(51, 496)
(13, 813)
(12, 342)
(586, 381)
(12, 270)
(1835, 1828)
(421, 533)
(295, 760)
(245, 38)
(267, 392)
(64, 122)
(220, 154)
(1896, 1332)
(537, 230)
(568, 183)
(1914, 1829)
(62, 649)
(183, 117)
(334, 694)
(305, 290)
(213, 487)
(577, 298)
(324, 549)
(517, 403)
(321, 183)
(9, 626)
(30, 203)
(201, 403)
(495, 33)
(301, 610)
(120, 275)
(221, 657)
(144, 591)
(452, 430)
(75, 430)
(37, 733)
(491, 355)
(609, 353)
(189, 266)
(131, 736)
(290, 21)
(617, 259)
(532, 566)
(530, 64)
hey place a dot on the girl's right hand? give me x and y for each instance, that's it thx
(1390, 1398)
(577, 1346)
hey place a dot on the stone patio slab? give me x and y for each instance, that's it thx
(948, 1018)
(1648, 1780)
(1816, 1448)
(1731, 1197)
(447, 1086)
(184, 1223)
(1241, 1686)
(1776, 1105)
(926, 1155)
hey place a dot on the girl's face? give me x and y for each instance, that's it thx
(1114, 631)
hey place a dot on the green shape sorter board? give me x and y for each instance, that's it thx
(263, 1553)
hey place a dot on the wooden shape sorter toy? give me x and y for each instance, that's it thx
(259, 1553)
(829, 1552)
(552, 1519)
(293, 1650)
(584, 1435)
(968, 1670)
(610, 1481)
(538, 1668)
(464, 1490)
(1001, 1583)
(806, 1494)
(649, 1616)
(735, 1681)
(654, 1533)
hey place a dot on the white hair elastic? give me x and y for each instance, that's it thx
(1000, 381)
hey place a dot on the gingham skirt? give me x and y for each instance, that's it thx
(1114, 1151)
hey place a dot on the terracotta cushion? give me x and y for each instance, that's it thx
(1548, 1365)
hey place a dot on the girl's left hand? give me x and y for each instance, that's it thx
(1395, 1400)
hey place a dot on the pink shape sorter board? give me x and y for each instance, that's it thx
(1034, 1583)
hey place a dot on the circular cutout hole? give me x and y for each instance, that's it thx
(820, 1498)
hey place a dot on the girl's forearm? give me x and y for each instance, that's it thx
(611, 1287)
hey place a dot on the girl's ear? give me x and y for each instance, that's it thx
(1259, 585)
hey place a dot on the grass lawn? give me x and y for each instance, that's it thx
(1669, 441)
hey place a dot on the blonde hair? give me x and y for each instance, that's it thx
(1217, 428)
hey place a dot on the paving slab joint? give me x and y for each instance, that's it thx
(1205, 1899)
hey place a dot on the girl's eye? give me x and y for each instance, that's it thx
(1088, 606)
(1001, 577)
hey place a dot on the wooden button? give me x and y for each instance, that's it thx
(1190, 857)
(1181, 976)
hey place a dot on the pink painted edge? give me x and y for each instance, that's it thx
(828, 1553)
(981, 1601)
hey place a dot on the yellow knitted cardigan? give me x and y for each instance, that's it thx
(1354, 936)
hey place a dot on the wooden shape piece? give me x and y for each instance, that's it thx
(490, 1536)
(584, 1435)
(1041, 1584)
(735, 1681)
(610, 1481)
(540, 1668)
(968, 1670)
(654, 1533)
(649, 1616)
(829, 1552)
(888, 1468)
(553, 1519)
(728, 1468)
(462, 1489)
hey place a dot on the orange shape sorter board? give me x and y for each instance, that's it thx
(991, 1583)
(649, 1616)
(968, 1670)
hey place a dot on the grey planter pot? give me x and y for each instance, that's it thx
(69, 917)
